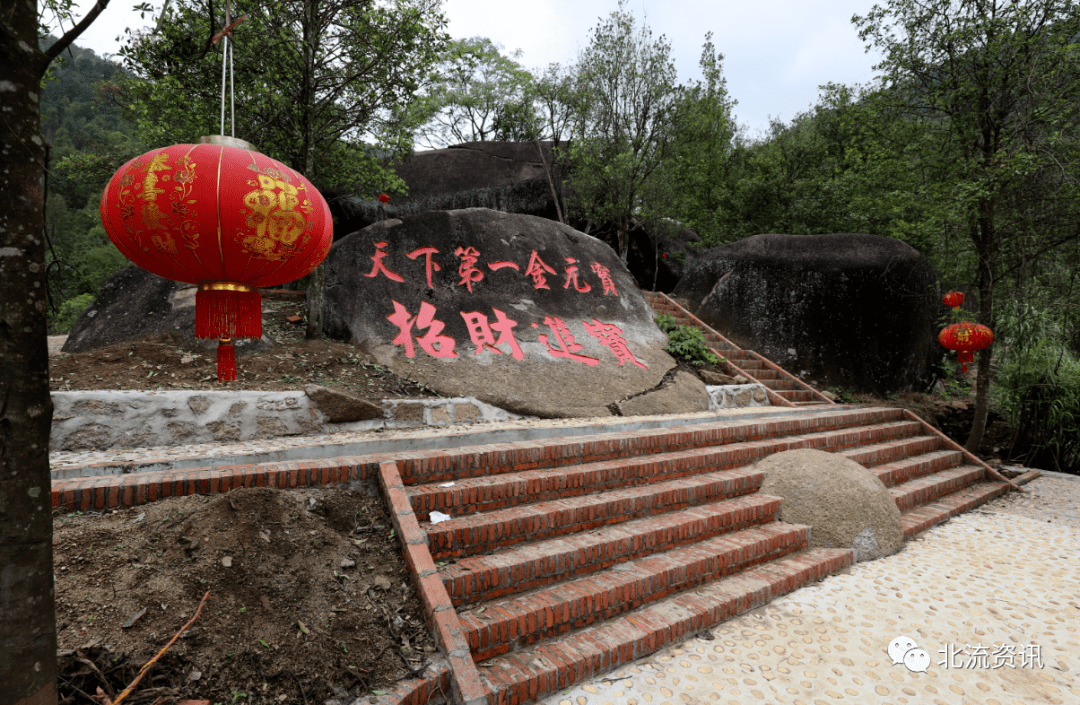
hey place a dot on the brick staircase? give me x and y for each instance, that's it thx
(566, 558)
(783, 388)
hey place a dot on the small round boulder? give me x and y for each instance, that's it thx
(846, 505)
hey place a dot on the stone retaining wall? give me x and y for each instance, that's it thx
(90, 420)
(732, 396)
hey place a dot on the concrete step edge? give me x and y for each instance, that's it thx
(555, 609)
(556, 664)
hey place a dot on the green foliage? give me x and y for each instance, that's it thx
(313, 81)
(477, 94)
(845, 394)
(69, 311)
(1038, 386)
(686, 342)
(626, 85)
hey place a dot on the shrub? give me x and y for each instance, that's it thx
(1038, 388)
(68, 312)
(686, 342)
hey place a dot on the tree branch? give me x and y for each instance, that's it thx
(73, 33)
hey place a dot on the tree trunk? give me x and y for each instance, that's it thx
(551, 181)
(28, 671)
(984, 249)
(316, 303)
(316, 291)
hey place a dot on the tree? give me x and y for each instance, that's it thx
(27, 612)
(704, 128)
(313, 79)
(477, 94)
(982, 71)
(627, 89)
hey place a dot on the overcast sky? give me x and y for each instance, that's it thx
(776, 52)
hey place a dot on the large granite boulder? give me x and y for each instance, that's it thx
(134, 304)
(846, 309)
(516, 310)
(846, 505)
(504, 176)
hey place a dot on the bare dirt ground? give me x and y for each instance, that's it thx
(309, 599)
(164, 362)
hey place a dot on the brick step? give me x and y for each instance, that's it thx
(798, 395)
(922, 518)
(529, 566)
(924, 490)
(478, 533)
(873, 454)
(497, 491)
(453, 464)
(900, 471)
(764, 375)
(559, 663)
(778, 384)
(550, 611)
(821, 402)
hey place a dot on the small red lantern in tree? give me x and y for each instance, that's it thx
(966, 338)
(953, 299)
(220, 215)
(384, 199)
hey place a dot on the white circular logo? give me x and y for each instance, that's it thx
(900, 646)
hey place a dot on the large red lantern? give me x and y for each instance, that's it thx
(220, 215)
(966, 338)
(953, 299)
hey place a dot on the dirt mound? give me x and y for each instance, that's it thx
(309, 598)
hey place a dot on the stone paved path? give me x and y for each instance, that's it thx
(1004, 576)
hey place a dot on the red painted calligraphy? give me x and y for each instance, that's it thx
(567, 345)
(481, 335)
(571, 275)
(536, 270)
(427, 252)
(610, 336)
(433, 344)
(495, 266)
(605, 278)
(469, 273)
(377, 258)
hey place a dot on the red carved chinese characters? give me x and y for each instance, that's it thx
(427, 252)
(377, 258)
(568, 345)
(469, 273)
(610, 336)
(433, 344)
(481, 335)
(495, 266)
(605, 278)
(536, 270)
(571, 275)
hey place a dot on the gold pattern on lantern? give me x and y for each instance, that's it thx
(274, 219)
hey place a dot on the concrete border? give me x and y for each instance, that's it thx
(456, 437)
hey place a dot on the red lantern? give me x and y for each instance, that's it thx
(384, 199)
(220, 215)
(953, 299)
(966, 338)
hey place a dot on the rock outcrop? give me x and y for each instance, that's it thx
(846, 504)
(134, 304)
(847, 309)
(518, 311)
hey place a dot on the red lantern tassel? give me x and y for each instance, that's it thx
(226, 361)
(227, 310)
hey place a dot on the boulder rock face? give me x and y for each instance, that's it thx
(515, 310)
(846, 504)
(504, 176)
(844, 309)
(134, 304)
